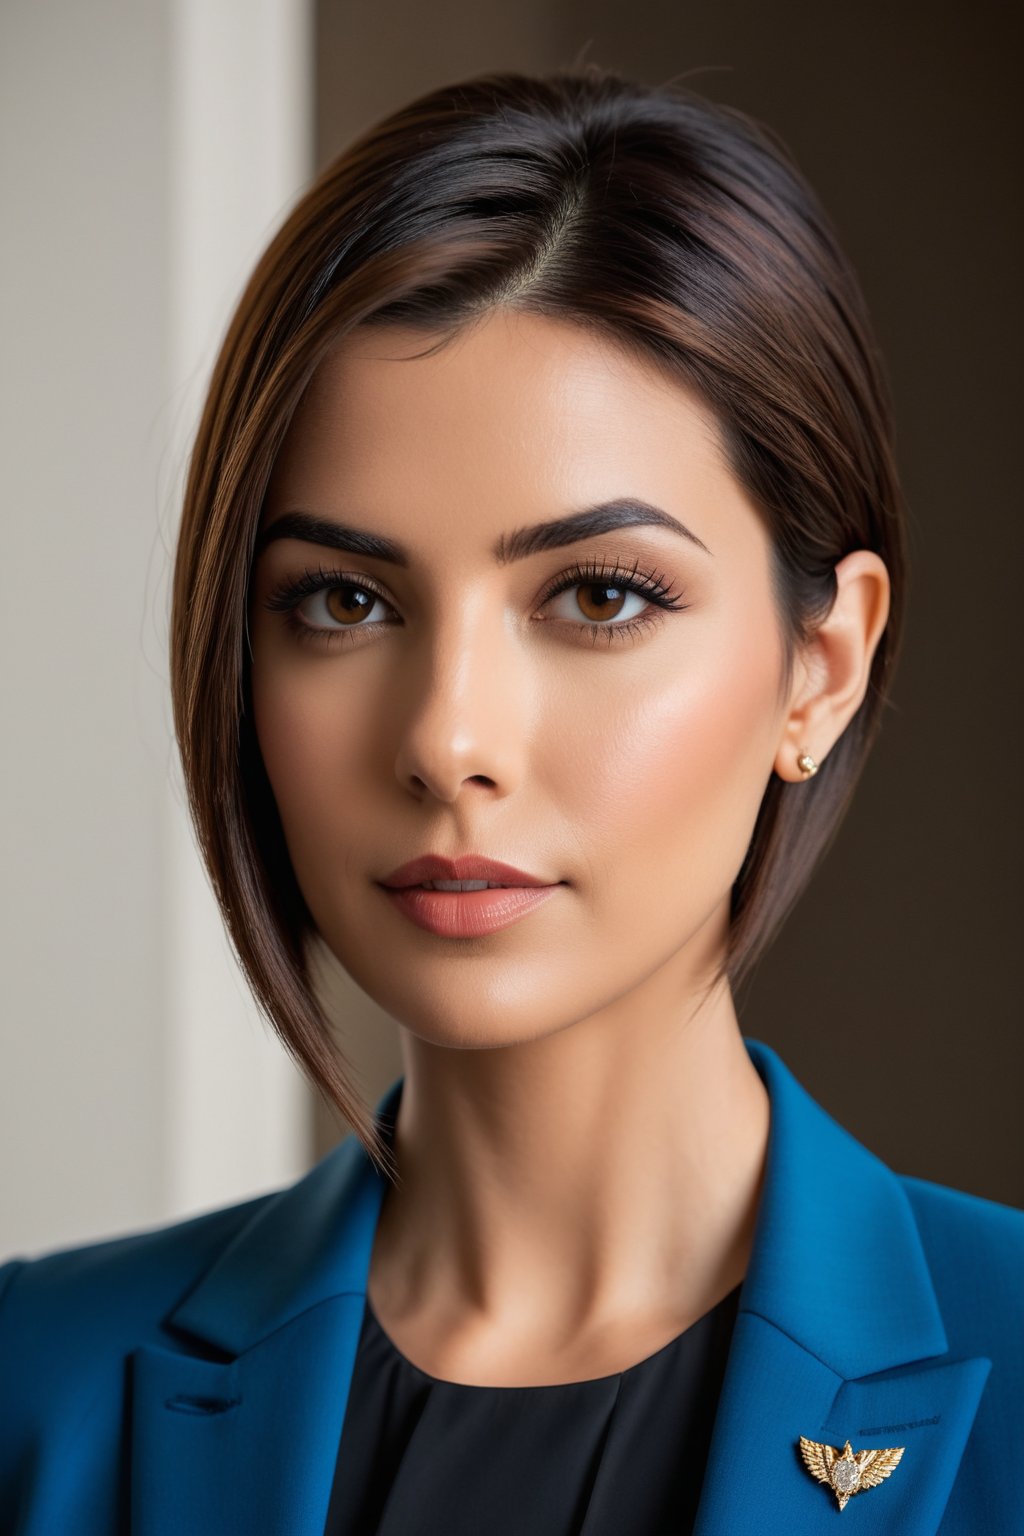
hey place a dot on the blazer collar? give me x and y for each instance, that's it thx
(838, 1334)
(309, 1242)
(858, 1306)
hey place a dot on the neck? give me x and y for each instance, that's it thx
(563, 1187)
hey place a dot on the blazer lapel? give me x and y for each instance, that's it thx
(236, 1424)
(241, 1434)
(838, 1336)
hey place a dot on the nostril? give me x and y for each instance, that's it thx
(202, 1405)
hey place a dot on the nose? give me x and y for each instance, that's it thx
(461, 710)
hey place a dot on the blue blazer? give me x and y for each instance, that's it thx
(192, 1380)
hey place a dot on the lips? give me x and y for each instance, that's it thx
(432, 866)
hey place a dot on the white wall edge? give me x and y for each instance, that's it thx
(240, 151)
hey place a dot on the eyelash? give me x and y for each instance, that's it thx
(652, 585)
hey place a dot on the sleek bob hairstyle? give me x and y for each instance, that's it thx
(672, 226)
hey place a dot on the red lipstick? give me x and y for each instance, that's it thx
(467, 914)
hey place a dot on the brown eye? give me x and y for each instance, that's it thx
(599, 600)
(597, 604)
(321, 604)
(348, 604)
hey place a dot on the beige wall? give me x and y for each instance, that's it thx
(147, 149)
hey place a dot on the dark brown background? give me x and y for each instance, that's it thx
(893, 991)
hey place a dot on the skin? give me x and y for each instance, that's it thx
(550, 1068)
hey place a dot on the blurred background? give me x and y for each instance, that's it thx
(148, 150)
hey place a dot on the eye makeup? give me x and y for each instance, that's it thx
(600, 577)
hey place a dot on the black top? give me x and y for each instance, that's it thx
(624, 1453)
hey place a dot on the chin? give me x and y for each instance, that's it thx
(473, 1038)
(461, 1002)
(473, 1025)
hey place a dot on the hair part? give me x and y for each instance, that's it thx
(674, 227)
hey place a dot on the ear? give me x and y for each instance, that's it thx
(833, 669)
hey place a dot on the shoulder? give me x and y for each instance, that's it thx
(961, 1231)
(69, 1320)
(974, 1249)
(84, 1302)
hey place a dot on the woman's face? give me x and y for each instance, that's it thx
(453, 701)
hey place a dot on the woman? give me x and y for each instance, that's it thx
(537, 597)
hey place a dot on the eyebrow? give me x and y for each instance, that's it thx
(605, 517)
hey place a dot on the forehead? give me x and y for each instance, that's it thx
(515, 417)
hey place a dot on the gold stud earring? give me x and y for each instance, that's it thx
(808, 767)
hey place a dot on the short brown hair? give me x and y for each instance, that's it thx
(677, 227)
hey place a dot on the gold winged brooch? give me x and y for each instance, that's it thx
(844, 1472)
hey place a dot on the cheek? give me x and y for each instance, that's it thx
(667, 789)
(309, 740)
